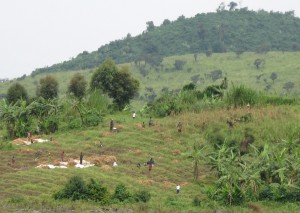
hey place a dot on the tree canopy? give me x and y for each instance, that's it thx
(77, 86)
(48, 88)
(16, 92)
(118, 84)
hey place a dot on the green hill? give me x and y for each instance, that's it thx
(276, 70)
(238, 30)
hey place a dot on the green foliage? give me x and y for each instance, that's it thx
(119, 85)
(16, 92)
(74, 123)
(50, 124)
(16, 117)
(121, 194)
(48, 88)
(5, 146)
(98, 102)
(226, 30)
(190, 86)
(124, 88)
(77, 86)
(103, 76)
(197, 155)
(96, 192)
(240, 96)
(196, 201)
(142, 196)
(75, 189)
(163, 106)
(288, 86)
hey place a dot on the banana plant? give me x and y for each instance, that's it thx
(197, 154)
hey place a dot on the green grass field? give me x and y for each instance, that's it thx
(23, 186)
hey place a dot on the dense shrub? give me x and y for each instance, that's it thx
(96, 192)
(75, 189)
(74, 123)
(121, 194)
(142, 196)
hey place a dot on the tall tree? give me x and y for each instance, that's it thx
(119, 85)
(103, 76)
(48, 87)
(77, 86)
(16, 92)
(125, 87)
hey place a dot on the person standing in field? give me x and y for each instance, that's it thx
(81, 157)
(179, 126)
(150, 121)
(62, 156)
(150, 164)
(177, 189)
(111, 125)
(28, 136)
(133, 115)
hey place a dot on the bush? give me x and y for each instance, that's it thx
(92, 119)
(96, 192)
(196, 201)
(75, 189)
(74, 123)
(142, 196)
(121, 194)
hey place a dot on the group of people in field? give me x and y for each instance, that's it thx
(150, 163)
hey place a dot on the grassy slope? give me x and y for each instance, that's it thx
(238, 71)
(23, 186)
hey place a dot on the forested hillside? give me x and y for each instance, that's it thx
(235, 30)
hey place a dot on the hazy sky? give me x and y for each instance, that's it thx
(39, 33)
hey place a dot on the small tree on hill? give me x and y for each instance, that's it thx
(48, 87)
(259, 63)
(16, 92)
(288, 86)
(179, 64)
(273, 76)
(77, 86)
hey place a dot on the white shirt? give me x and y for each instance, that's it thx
(178, 187)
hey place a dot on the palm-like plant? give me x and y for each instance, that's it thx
(16, 117)
(197, 155)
